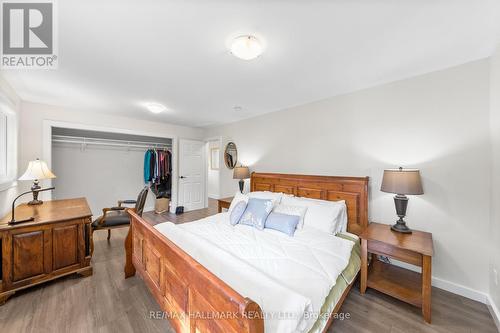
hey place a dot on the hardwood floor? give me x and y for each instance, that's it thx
(106, 302)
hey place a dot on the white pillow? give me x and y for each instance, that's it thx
(274, 196)
(299, 211)
(328, 216)
(237, 198)
(341, 219)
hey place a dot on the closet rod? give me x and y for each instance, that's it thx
(108, 142)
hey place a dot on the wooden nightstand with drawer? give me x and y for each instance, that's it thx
(224, 203)
(408, 286)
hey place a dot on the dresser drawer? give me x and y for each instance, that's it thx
(396, 253)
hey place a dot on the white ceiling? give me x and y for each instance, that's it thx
(113, 55)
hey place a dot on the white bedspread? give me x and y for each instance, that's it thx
(289, 277)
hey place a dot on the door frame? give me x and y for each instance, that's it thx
(204, 173)
(48, 125)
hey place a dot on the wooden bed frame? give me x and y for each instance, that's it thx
(194, 299)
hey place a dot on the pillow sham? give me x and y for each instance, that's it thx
(276, 197)
(328, 216)
(299, 211)
(342, 219)
(256, 212)
(237, 212)
(282, 222)
(237, 198)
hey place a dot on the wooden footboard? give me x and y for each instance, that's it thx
(192, 298)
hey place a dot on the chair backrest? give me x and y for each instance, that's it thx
(141, 201)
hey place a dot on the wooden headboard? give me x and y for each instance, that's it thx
(354, 190)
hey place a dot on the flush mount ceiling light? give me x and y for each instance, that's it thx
(155, 107)
(246, 47)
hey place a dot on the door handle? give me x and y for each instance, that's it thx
(182, 177)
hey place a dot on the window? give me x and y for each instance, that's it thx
(8, 146)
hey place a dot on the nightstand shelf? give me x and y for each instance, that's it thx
(395, 281)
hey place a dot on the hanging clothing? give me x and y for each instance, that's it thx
(156, 174)
(158, 171)
(147, 169)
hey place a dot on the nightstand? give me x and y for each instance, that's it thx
(224, 203)
(408, 286)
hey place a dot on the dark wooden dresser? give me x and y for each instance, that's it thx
(55, 244)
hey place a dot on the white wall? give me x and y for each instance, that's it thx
(8, 96)
(438, 122)
(213, 180)
(103, 175)
(33, 117)
(495, 182)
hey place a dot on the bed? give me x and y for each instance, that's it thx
(196, 299)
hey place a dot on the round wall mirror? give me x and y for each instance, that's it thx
(231, 155)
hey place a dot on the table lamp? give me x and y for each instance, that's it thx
(401, 182)
(36, 171)
(241, 172)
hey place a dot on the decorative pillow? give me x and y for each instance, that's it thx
(328, 216)
(274, 196)
(283, 222)
(237, 212)
(237, 198)
(299, 211)
(256, 212)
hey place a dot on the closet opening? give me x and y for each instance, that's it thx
(105, 167)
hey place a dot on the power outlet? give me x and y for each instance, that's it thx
(495, 276)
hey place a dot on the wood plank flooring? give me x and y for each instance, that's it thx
(106, 302)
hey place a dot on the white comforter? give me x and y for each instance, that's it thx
(289, 277)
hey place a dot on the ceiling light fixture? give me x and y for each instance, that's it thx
(155, 107)
(246, 47)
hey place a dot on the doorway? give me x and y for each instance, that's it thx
(213, 151)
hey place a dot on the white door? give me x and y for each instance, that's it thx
(191, 174)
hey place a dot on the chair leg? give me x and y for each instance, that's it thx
(109, 234)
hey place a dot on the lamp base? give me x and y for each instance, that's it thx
(241, 184)
(401, 202)
(35, 188)
(401, 227)
(29, 219)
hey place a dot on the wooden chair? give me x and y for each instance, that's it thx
(117, 217)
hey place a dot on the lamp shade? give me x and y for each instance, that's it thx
(37, 170)
(402, 181)
(241, 172)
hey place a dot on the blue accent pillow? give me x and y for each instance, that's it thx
(237, 211)
(283, 222)
(256, 212)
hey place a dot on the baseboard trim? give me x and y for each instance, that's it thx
(460, 290)
(495, 313)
